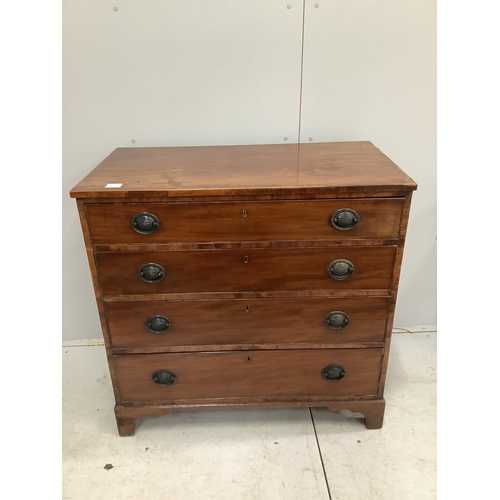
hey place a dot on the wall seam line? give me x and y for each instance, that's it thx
(301, 68)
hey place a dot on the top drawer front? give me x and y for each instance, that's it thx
(244, 221)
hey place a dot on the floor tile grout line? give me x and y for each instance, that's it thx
(320, 455)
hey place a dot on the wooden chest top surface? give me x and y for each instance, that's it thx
(285, 169)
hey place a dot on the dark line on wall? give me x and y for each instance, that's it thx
(320, 455)
(302, 63)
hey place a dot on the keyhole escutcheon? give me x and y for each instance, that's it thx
(245, 259)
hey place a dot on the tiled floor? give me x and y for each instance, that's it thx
(253, 454)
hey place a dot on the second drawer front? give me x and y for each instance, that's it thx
(247, 374)
(245, 270)
(262, 321)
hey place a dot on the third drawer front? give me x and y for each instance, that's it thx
(253, 270)
(327, 373)
(258, 321)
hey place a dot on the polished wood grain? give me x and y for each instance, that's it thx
(126, 426)
(225, 356)
(394, 291)
(244, 221)
(97, 293)
(234, 245)
(267, 195)
(245, 347)
(245, 170)
(226, 270)
(257, 401)
(229, 322)
(372, 409)
(344, 293)
(248, 374)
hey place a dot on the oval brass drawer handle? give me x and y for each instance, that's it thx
(164, 377)
(333, 373)
(336, 320)
(340, 269)
(344, 219)
(145, 223)
(158, 324)
(151, 272)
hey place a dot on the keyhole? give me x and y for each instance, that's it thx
(249, 359)
(247, 308)
(245, 259)
(244, 213)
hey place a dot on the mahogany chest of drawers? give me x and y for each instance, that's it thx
(246, 276)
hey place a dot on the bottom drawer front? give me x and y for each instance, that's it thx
(247, 374)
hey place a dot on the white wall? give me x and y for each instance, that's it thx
(370, 73)
(194, 72)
